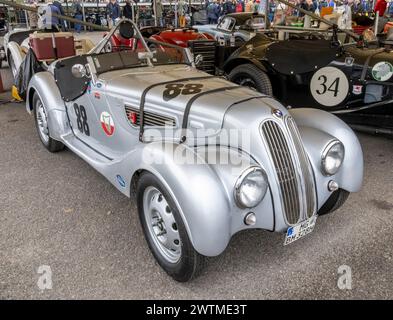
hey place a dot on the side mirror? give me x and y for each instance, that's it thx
(198, 60)
(78, 71)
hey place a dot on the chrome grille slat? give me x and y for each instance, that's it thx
(290, 181)
(206, 48)
(285, 169)
(151, 119)
(282, 164)
(309, 184)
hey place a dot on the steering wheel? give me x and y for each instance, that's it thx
(126, 30)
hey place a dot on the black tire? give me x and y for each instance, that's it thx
(191, 262)
(152, 47)
(239, 41)
(51, 144)
(335, 201)
(251, 76)
(12, 66)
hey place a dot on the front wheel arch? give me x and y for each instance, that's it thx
(230, 64)
(29, 99)
(189, 263)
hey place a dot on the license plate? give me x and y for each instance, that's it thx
(300, 230)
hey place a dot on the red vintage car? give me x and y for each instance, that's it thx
(201, 44)
(181, 37)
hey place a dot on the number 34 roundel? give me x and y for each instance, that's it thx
(329, 86)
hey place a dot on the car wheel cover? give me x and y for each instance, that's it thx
(246, 81)
(161, 225)
(42, 122)
(12, 66)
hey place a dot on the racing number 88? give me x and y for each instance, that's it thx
(81, 119)
(175, 89)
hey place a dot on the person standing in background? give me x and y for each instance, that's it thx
(390, 9)
(77, 8)
(262, 6)
(49, 9)
(32, 16)
(58, 5)
(220, 12)
(127, 10)
(181, 10)
(159, 14)
(307, 5)
(212, 12)
(113, 12)
(240, 6)
(380, 9)
(228, 7)
(249, 7)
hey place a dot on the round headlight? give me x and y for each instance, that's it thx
(251, 187)
(332, 157)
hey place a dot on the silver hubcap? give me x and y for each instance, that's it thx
(42, 121)
(13, 68)
(161, 224)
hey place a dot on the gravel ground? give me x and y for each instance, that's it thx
(55, 210)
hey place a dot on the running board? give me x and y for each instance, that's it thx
(80, 148)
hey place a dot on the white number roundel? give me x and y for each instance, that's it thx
(329, 86)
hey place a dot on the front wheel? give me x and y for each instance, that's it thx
(164, 230)
(335, 201)
(251, 76)
(41, 122)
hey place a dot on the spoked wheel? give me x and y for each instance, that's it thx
(41, 121)
(246, 81)
(164, 230)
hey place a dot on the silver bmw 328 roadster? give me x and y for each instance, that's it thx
(204, 157)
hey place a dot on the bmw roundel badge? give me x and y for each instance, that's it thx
(277, 112)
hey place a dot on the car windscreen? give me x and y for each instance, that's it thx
(254, 23)
(124, 59)
(226, 24)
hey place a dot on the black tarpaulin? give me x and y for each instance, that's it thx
(30, 65)
(300, 56)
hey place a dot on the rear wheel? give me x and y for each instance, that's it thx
(164, 230)
(41, 122)
(335, 201)
(13, 68)
(251, 76)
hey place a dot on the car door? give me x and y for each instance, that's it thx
(82, 98)
(84, 119)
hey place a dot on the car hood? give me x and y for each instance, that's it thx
(207, 111)
(180, 36)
